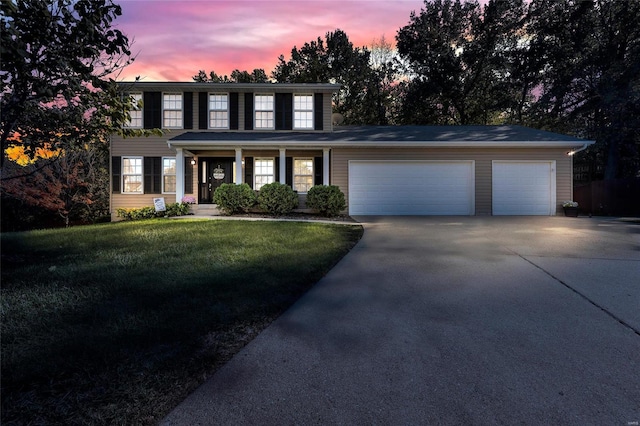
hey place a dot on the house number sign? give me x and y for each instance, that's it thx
(218, 173)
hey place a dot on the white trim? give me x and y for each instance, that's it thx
(272, 110)
(123, 174)
(552, 182)
(181, 126)
(283, 166)
(209, 110)
(293, 171)
(162, 175)
(239, 170)
(179, 175)
(312, 111)
(325, 167)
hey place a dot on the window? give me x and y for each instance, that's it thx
(135, 115)
(132, 175)
(263, 171)
(172, 110)
(302, 174)
(303, 111)
(169, 174)
(264, 112)
(218, 111)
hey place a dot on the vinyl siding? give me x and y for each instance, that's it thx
(483, 160)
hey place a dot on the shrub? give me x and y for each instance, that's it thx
(327, 200)
(277, 198)
(173, 209)
(232, 198)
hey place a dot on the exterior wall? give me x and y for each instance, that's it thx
(483, 166)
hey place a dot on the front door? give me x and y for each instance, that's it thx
(212, 173)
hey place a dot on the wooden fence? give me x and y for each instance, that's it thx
(617, 197)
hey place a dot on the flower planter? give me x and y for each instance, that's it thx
(571, 211)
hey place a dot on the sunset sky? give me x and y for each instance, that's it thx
(173, 39)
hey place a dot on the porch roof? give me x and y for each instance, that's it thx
(383, 136)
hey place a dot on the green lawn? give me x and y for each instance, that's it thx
(117, 323)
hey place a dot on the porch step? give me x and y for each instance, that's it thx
(206, 210)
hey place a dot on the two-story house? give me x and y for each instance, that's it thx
(265, 132)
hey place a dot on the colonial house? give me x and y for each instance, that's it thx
(259, 133)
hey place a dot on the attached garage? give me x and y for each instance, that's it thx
(411, 187)
(524, 188)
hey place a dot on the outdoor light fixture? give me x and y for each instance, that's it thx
(193, 162)
(573, 151)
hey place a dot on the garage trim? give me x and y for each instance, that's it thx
(468, 197)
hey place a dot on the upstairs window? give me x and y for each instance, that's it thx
(132, 175)
(264, 115)
(172, 110)
(303, 112)
(218, 111)
(263, 172)
(135, 114)
(302, 174)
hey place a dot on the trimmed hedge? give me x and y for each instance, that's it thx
(232, 198)
(173, 209)
(277, 198)
(327, 200)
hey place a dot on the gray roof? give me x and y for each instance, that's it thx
(132, 86)
(393, 136)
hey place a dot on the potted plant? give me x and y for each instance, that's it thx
(570, 208)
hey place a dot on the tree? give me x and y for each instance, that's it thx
(591, 77)
(56, 59)
(458, 56)
(336, 60)
(258, 75)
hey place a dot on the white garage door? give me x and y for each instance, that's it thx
(524, 188)
(411, 188)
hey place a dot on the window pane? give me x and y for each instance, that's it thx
(170, 183)
(264, 120)
(302, 183)
(218, 119)
(303, 102)
(218, 102)
(132, 166)
(133, 183)
(169, 166)
(264, 102)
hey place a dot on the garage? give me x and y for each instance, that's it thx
(524, 188)
(411, 187)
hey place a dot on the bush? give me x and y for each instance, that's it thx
(173, 209)
(232, 198)
(327, 200)
(277, 198)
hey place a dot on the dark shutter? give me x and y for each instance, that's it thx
(317, 170)
(289, 171)
(203, 110)
(248, 171)
(188, 110)
(233, 111)
(152, 175)
(318, 113)
(284, 111)
(116, 174)
(152, 110)
(248, 111)
(188, 175)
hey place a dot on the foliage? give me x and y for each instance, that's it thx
(328, 200)
(277, 198)
(569, 204)
(232, 198)
(147, 212)
(118, 323)
(335, 60)
(73, 184)
(256, 76)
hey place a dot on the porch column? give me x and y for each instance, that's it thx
(325, 166)
(283, 166)
(239, 176)
(179, 175)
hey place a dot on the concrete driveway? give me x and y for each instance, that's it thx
(449, 320)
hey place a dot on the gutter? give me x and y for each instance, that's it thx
(582, 148)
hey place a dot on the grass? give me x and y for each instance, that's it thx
(117, 323)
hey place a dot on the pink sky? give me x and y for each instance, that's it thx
(173, 39)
